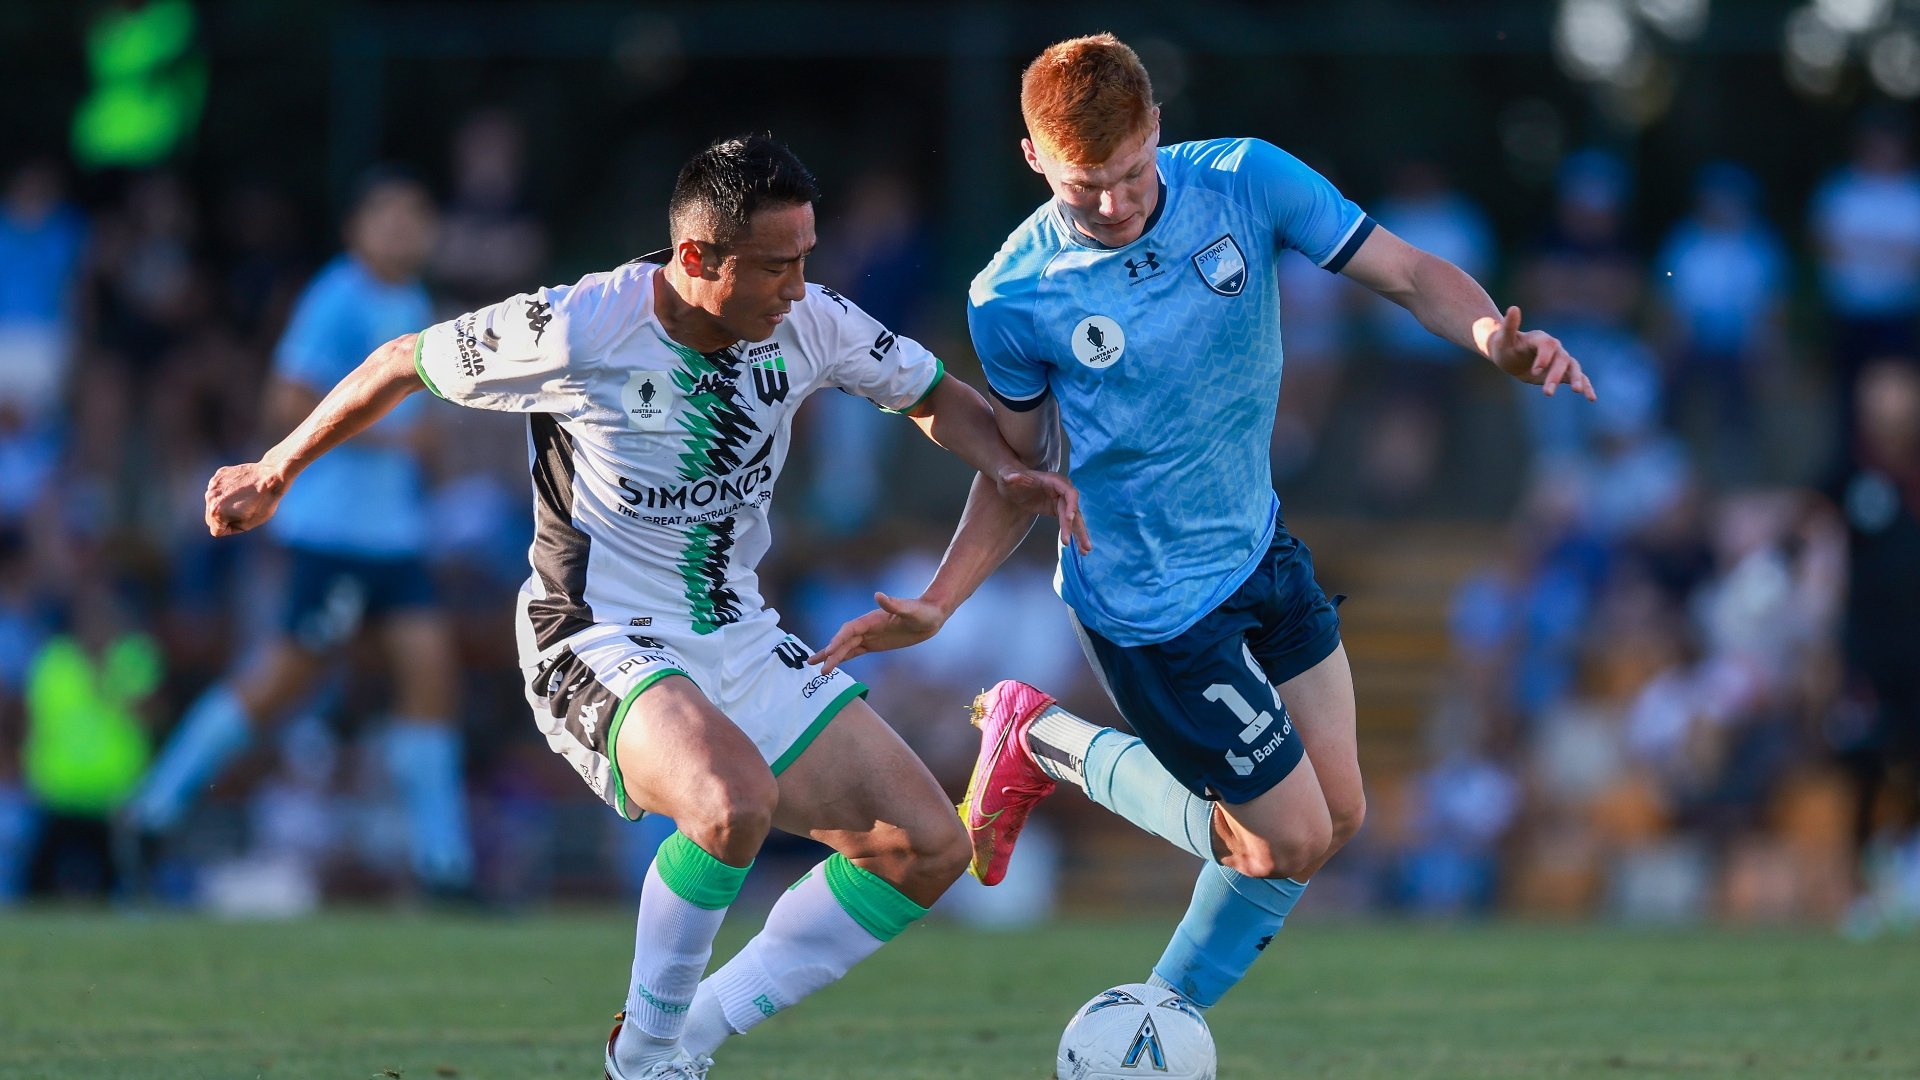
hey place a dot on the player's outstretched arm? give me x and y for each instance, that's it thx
(1012, 488)
(1450, 303)
(242, 497)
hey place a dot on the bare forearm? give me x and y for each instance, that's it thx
(959, 421)
(990, 528)
(370, 392)
(1450, 304)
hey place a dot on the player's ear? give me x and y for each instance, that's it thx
(697, 259)
(1032, 156)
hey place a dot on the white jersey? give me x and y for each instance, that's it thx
(653, 464)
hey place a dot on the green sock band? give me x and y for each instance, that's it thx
(877, 906)
(697, 877)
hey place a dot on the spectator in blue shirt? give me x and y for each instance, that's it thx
(355, 532)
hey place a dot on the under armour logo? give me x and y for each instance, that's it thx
(1151, 262)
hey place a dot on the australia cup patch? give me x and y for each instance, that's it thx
(1098, 342)
(1222, 266)
(647, 399)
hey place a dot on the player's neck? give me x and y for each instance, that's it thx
(383, 273)
(684, 321)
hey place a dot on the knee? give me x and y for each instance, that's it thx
(1347, 820)
(1290, 853)
(941, 853)
(732, 815)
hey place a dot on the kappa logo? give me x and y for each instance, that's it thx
(1098, 342)
(833, 296)
(1222, 266)
(590, 718)
(539, 314)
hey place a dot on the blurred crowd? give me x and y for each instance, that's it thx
(1682, 685)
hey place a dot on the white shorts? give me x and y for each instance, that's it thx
(756, 673)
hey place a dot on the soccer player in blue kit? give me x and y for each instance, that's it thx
(1138, 311)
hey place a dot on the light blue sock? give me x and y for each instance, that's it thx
(1230, 921)
(213, 732)
(424, 759)
(1124, 776)
(1231, 916)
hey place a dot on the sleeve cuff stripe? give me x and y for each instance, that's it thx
(1019, 404)
(939, 373)
(419, 347)
(1355, 237)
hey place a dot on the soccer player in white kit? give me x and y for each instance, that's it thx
(659, 401)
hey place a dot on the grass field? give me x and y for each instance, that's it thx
(98, 997)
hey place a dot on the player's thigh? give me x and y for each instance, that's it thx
(859, 789)
(421, 654)
(1297, 643)
(679, 755)
(1282, 832)
(625, 712)
(1321, 702)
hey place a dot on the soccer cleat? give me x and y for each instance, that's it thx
(680, 1066)
(1007, 782)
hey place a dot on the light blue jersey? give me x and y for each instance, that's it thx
(365, 497)
(1165, 357)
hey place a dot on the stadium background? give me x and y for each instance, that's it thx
(1599, 655)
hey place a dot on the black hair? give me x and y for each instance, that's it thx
(721, 187)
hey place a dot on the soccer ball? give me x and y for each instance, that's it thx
(1136, 1031)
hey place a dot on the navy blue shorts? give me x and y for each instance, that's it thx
(1205, 702)
(329, 597)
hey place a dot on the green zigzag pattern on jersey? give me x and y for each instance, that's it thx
(716, 425)
(703, 567)
(717, 428)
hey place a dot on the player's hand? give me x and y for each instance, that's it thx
(1038, 491)
(1536, 357)
(241, 497)
(898, 623)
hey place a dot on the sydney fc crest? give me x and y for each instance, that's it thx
(1222, 266)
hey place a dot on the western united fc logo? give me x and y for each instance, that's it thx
(769, 373)
(1098, 342)
(1222, 266)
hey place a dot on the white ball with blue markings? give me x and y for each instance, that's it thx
(1136, 1031)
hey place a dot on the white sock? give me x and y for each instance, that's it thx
(674, 940)
(835, 916)
(1059, 742)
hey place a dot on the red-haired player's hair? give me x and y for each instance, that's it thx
(1086, 98)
